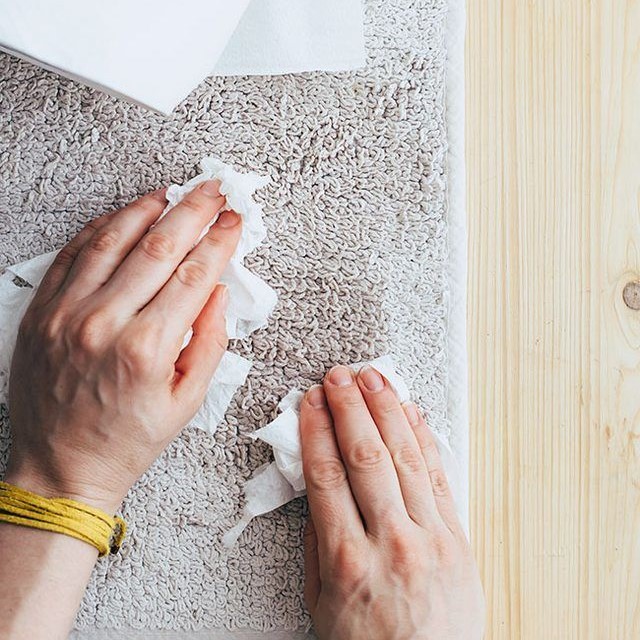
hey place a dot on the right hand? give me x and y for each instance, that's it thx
(385, 554)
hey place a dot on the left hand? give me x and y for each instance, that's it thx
(99, 385)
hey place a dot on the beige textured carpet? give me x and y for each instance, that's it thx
(359, 251)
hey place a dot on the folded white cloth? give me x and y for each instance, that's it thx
(251, 300)
(293, 36)
(276, 484)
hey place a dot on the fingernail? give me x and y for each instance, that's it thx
(371, 379)
(159, 194)
(228, 219)
(341, 376)
(211, 188)
(315, 397)
(411, 411)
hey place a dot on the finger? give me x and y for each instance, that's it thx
(199, 360)
(333, 508)
(63, 262)
(105, 250)
(311, 567)
(181, 300)
(372, 476)
(438, 478)
(401, 442)
(152, 262)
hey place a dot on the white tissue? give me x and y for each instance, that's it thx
(281, 481)
(14, 301)
(230, 375)
(251, 300)
(32, 271)
(267, 490)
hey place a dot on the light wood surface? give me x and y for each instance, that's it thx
(553, 152)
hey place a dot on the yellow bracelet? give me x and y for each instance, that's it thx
(61, 515)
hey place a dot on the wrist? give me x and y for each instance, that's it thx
(26, 478)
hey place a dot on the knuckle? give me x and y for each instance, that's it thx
(350, 401)
(104, 240)
(44, 326)
(406, 458)
(389, 408)
(158, 246)
(92, 225)
(366, 455)
(196, 203)
(90, 332)
(66, 256)
(404, 549)
(139, 353)
(431, 450)
(149, 205)
(50, 327)
(439, 483)
(326, 474)
(349, 565)
(220, 340)
(192, 273)
(212, 239)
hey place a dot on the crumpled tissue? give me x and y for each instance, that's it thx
(251, 300)
(230, 375)
(274, 485)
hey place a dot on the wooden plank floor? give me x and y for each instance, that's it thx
(553, 151)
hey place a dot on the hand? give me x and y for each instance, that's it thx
(385, 554)
(99, 385)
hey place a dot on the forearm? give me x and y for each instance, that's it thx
(43, 576)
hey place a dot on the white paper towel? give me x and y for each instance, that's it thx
(154, 52)
(251, 300)
(285, 36)
(276, 484)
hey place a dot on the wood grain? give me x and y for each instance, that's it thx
(553, 152)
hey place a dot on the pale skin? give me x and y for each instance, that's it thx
(100, 386)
